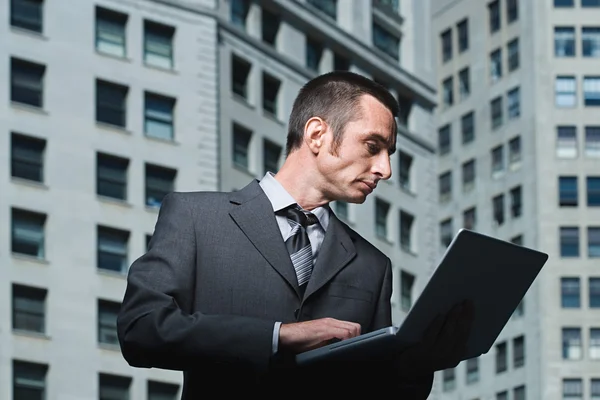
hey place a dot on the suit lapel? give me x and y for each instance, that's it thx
(254, 215)
(337, 250)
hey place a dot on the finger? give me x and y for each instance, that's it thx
(353, 327)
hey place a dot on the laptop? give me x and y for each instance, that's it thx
(493, 273)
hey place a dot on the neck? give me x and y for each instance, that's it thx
(299, 178)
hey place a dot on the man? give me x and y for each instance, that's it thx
(234, 284)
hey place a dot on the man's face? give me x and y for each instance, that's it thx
(362, 158)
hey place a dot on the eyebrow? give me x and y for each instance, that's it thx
(376, 136)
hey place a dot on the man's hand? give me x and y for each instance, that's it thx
(303, 336)
(444, 343)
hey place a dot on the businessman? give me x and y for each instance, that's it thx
(234, 284)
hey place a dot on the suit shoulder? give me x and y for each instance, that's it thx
(363, 244)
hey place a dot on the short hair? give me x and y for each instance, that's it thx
(334, 97)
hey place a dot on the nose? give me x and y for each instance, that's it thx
(382, 166)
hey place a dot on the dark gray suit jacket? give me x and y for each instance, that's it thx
(217, 276)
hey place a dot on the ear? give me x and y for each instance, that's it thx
(314, 134)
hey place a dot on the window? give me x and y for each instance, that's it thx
(241, 144)
(160, 181)
(110, 32)
(467, 123)
(595, 343)
(405, 170)
(594, 292)
(513, 54)
(470, 218)
(514, 151)
(341, 210)
(463, 35)
(406, 227)
(446, 40)
(501, 357)
(381, 213)
(112, 249)
(240, 70)
(406, 287)
(328, 7)
(502, 395)
(107, 322)
(386, 41)
(27, 157)
(271, 87)
(314, 52)
(162, 391)
(448, 91)
(595, 389)
(591, 90)
(570, 290)
(494, 15)
(405, 108)
(592, 141)
(29, 380)
(28, 308)
(158, 44)
(565, 91)
(590, 3)
(496, 114)
(28, 233)
(446, 232)
(464, 84)
(444, 142)
(449, 380)
(567, 191)
(564, 41)
(569, 242)
(590, 41)
(516, 198)
(111, 103)
(513, 98)
(593, 242)
(472, 370)
(512, 10)
(571, 340)
(27, 82)
(518, 351)
(566, 141)
(519, 393)
(158, 116)
(563, 3)
(468, 175)
(27, 14)
(239, 12)
(497, 160)
(572, 388)
(340, 63)
(496, 65)
(445, 186)
(113, 387)
(498, 208)
(111, 176)
(270, 26)
(593, 191)
(271, 153)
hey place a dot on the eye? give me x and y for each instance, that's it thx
(373, 148)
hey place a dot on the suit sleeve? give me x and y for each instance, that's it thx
(414, 388)
(153, 327)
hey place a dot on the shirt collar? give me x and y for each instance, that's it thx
(280, 198)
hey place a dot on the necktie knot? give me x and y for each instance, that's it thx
(304, 218)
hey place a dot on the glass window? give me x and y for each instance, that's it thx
(162, 391)
(111, 176)
(497, 160)
(519, 351)
(567, 191)
(470, 218)
(569, 242)
(516, 199)
(448, 91)
(158, 44)
(112, 249)
(593, 242)
(28, 308)
(270, 26)
(446, 40)
(158, 116)
(27, 157)
(463, 35)
(565, 91)
(239, 12)
(314, 52)
(381, 213)
(514, 151)
(590, 3)
(240, 70)
(271, 86)
(29, 380)
(595, 343)
(328, 7)
(111, 103)
(566, 141)
(512, 12)
(513, 98)
(27, 14)
(27, 82)
(519, 393)
(464, 83)
(467, 124)
(468, 175)
(406, 227)
(113, 387)
(406, 287)
(445, 186)
(406, 162)
(271, 154)
(241, 144)
(496, 112)
(446, 232)
(501, 357)
(494, 15)
(592, 141)
(594, 292)
(496, 65)
(570, 289)
(564, 41)
(513, 54)
(386, 41)
(107, 322)
(449, 380)
(498, 208)
(590, 41)
(472, 370)
(591, 90)
(593, 191)
(28, 233)
(595, 389)
(563, 3)
(571, 339)
(572, 389)
(160, 181)
(110, 32)
(444, 141)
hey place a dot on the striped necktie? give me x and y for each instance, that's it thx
(298, 243)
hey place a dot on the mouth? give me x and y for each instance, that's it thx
(368, 186)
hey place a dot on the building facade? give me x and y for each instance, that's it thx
(112, 104)
(519, 142)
